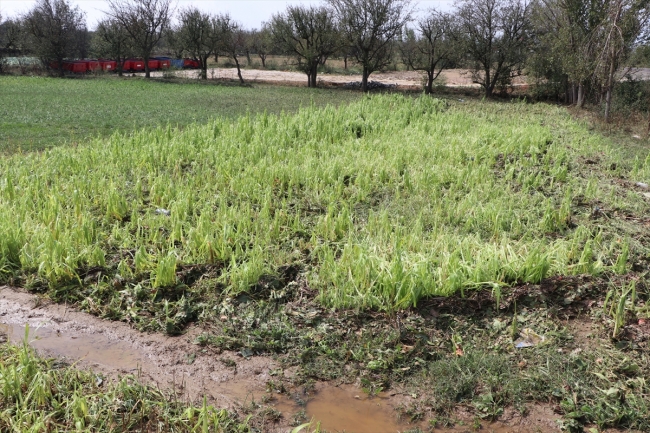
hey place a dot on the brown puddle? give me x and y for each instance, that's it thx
(336, 408)
(350, 410)
(176, 363)
(92, 348)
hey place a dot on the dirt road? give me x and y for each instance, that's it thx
(404, 80)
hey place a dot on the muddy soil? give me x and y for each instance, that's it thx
(229, 380)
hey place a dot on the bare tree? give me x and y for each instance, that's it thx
(432, 49)
(369, 28)
(232, 42)
(307, 33)
(112, 41)
(262, 42)
(495, 36)
(173, 41)
(199, 34)
(145, 21)
(54, 27)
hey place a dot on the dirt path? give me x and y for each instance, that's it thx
(115, 348)
(403, 80)
(228, 379)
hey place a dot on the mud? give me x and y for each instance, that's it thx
(227, 379)
(113, 348)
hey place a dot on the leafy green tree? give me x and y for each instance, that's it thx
(112, 41)
(495, 36)
(307, 33)
(145, 21)
(232, 40)
(624, 22)
(199, 34)
(369, 28)
(565, 32)
(54, 28)
(262, 42)
(431, 49)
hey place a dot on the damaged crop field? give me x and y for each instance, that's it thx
(479, 258)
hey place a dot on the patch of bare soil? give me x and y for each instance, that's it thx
(227, 379)
(114, 348)
(402, 80)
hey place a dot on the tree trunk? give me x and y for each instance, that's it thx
(580, 101)
(216, 57)
(204, 68)
(610, 88)
(263, 58)
(249, 62)
(345, 62)
(147, 73)
(608, 103)
(364, 80)
(314, 75)
(60, 65)
(120, 67)
(488, 84)
(241, 79)
(429, 88)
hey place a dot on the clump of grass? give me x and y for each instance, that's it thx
(37, 395)
(378, 205)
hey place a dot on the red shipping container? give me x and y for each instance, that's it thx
(108, 65)
(190, 63)
(75, 67)
(154, 64)
(134, 65)
(165, 63)
(92, 65)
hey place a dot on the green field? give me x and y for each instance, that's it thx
(438, 225)
(38, 112)
(377, 204)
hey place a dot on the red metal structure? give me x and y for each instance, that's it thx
(92, 65)
(135, 65)
(191, 63)
(108, 65)
(164, 63)
(76, 67)
(154, 64)
(130, 65)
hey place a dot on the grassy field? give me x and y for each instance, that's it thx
(378, 204)
(37, 112)
(301, 226)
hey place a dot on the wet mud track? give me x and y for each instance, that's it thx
(177, 364)
(114, 348)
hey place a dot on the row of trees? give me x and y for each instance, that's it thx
(573, 47)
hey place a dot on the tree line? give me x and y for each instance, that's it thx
(574, 48)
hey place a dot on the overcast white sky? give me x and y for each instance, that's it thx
(249, 12)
